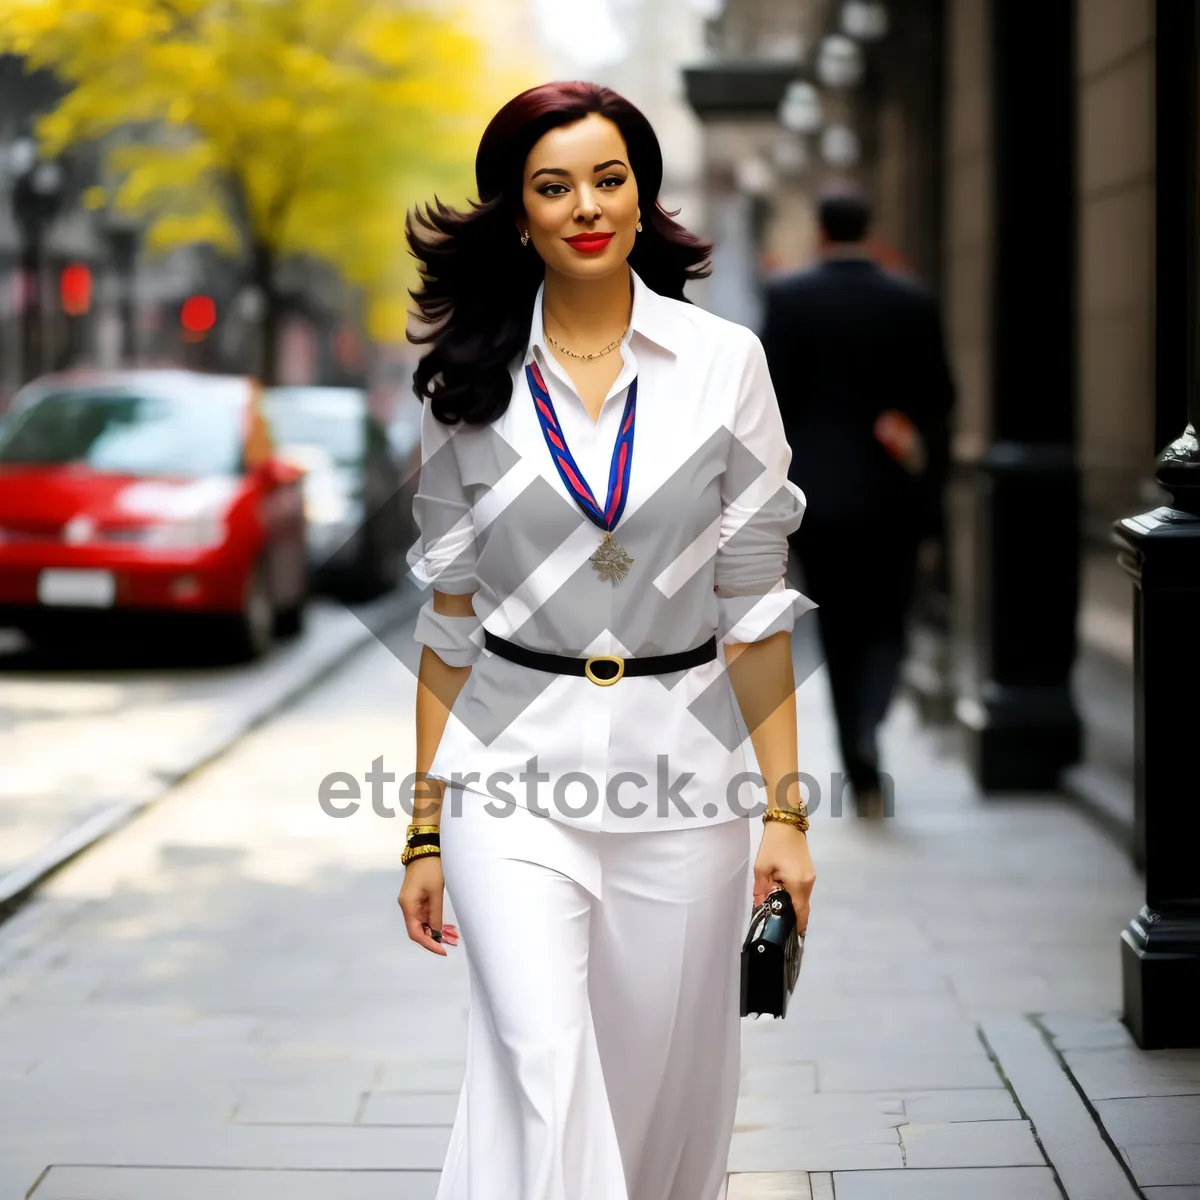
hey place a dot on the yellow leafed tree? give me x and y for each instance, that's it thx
(276, 127)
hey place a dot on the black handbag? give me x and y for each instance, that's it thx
(771, 957)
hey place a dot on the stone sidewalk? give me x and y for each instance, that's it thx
(219, 1001)
(84, 745)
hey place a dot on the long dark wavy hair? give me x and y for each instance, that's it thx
(479, 283)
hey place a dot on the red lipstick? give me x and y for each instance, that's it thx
(589, 243)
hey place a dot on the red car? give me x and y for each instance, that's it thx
(130, 496)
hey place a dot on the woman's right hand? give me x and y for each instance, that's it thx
(420, 900)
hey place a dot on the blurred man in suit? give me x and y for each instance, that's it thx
(859, 365)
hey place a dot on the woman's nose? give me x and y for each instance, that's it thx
(589, 204)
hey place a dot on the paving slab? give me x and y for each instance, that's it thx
(1086, 1031)
(971, 1144)
(422, 1077)
(1112, 1074)
(959, 1104)
(880, 1072)
(314, 1104)
(1152, 1120)
(1157, 1165)
(821, 1110)
(821, 1183)
(811, 1039)
(409, 1108)
(183, 1183)
(779, 1148)
(1003, 1183)
(788, 1185)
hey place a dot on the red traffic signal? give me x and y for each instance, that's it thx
(75, 289)
(197, 316)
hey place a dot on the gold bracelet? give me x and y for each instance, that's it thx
(411, 852)
(797, 818)
(413, 830)
(788, 816)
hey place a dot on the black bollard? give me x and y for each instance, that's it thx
(1160, 949)
(1161, 946)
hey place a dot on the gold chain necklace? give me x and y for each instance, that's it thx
(598, 354)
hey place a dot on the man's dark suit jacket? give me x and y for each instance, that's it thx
(846, 340)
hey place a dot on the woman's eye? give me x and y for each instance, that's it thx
(616, 180)
(545, 191)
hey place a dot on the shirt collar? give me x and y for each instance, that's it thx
(653, 317)
(849, 252)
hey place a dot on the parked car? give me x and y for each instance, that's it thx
(351, 487)
(404, 435)
(133, 496)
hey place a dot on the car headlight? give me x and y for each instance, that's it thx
(187, 515)
(195, 533)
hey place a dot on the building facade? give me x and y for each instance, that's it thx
(1037, 167)
(1012, 166)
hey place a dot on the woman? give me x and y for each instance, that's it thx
(604, 511)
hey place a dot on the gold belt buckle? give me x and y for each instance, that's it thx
(613, 658)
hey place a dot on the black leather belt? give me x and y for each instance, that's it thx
(601, 669)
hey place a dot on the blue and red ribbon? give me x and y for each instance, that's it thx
(619, 469)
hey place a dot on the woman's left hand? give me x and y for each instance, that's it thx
(783, 860)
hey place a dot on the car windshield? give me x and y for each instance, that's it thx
(123, 432)
(333, 419)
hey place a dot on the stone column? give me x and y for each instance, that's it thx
(1022, 723)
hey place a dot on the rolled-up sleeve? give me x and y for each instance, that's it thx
(444, 553)
(456, 640)
(760, 507)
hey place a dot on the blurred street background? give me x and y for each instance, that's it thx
(205, 988)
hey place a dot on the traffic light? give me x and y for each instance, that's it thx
(75, 289)
(197, 316)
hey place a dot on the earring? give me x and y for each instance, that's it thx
(525, 238)
(639, 227)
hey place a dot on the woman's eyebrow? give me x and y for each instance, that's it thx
(612, 162)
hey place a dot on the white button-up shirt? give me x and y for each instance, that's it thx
(706, 523)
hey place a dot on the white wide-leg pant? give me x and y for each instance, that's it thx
(603, 1045)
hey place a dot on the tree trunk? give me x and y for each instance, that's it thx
(32, 332)
(272, 314)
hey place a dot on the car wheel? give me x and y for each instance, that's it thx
(387, 554)
(392, 559)
(365, 579)
(254, 627)
(290, 622)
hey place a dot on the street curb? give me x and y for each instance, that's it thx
(17, 885)
(1073, 1141)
